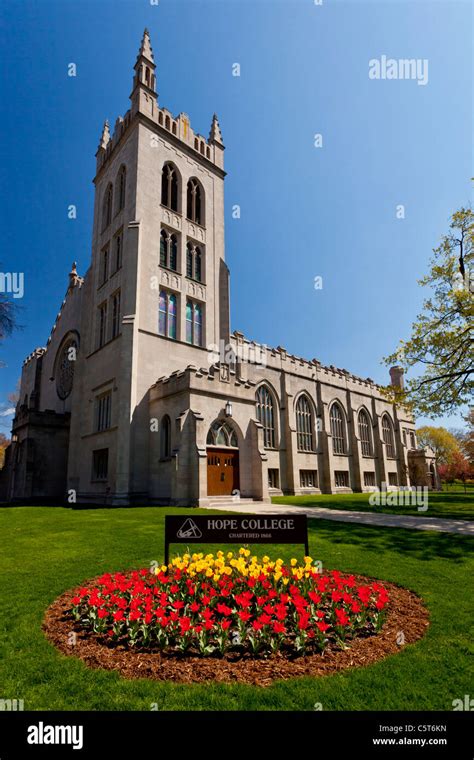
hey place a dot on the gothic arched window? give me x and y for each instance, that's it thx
(167, 314)
(168, 250)
(107, 207)
(265, 415)
(338, 433)
(65, 366)
(221, 434)
(193, 323)
(120, 188)
(165, 439)
(163, 248)
(197, 263)
(169, 187)
(194, 201)
(364, 433)
(193, 262)
(387, 436)
(304, 425)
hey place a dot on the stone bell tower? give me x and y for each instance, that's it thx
(158, 285)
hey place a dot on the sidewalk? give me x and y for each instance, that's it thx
(460, 527)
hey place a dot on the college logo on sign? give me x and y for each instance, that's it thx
(189, 529)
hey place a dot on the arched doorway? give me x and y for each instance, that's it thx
(222, 459)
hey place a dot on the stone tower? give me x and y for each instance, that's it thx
(157, 289)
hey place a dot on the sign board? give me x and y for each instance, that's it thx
(235, 529)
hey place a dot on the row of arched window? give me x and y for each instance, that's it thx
(169, 255)
(168, 318)
(265, 412)
(108, 204)
(171, 193)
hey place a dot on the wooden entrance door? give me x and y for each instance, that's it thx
(222, 471)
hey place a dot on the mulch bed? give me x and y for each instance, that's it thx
(406, 615)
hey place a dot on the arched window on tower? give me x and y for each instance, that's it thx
(107, 207)
(173, 252)
(120, 188)
(167, 314)
(338, 432)
(387, 436)
(193, 261)
(168, 250)
(265, 415)
(304, 425)
(165, 442)
(364, 433)
(193, 323)
(163, 248)
(169, 187)
(194, 202)
(197, 263)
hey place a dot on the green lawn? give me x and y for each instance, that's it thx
(453, 504)
(44, 551)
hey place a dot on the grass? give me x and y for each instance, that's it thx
(45, 551)
(453, 504)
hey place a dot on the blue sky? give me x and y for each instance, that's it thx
(305, 211)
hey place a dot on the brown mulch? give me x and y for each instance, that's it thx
(407, 615)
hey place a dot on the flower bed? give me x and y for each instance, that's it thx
(206, 604)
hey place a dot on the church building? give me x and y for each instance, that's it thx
(143, 395)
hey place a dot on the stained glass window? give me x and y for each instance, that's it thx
(172, 316)
(189, 322)
(162, 313)
(193, 323)
(221, 434)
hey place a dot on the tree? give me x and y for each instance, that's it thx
(8, 315)
(442, 339)
(4, 442)
(466, 437)
(443, 443)
(14, 396)
(457, 469)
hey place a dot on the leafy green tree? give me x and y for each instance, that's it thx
(442, 339)
(443, 443)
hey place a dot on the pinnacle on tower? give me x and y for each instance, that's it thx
(105, 136)
(146, 50)
(215, 135)
(145, 67)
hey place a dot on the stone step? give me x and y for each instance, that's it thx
(220, 500)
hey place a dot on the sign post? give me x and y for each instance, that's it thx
(235, 529)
